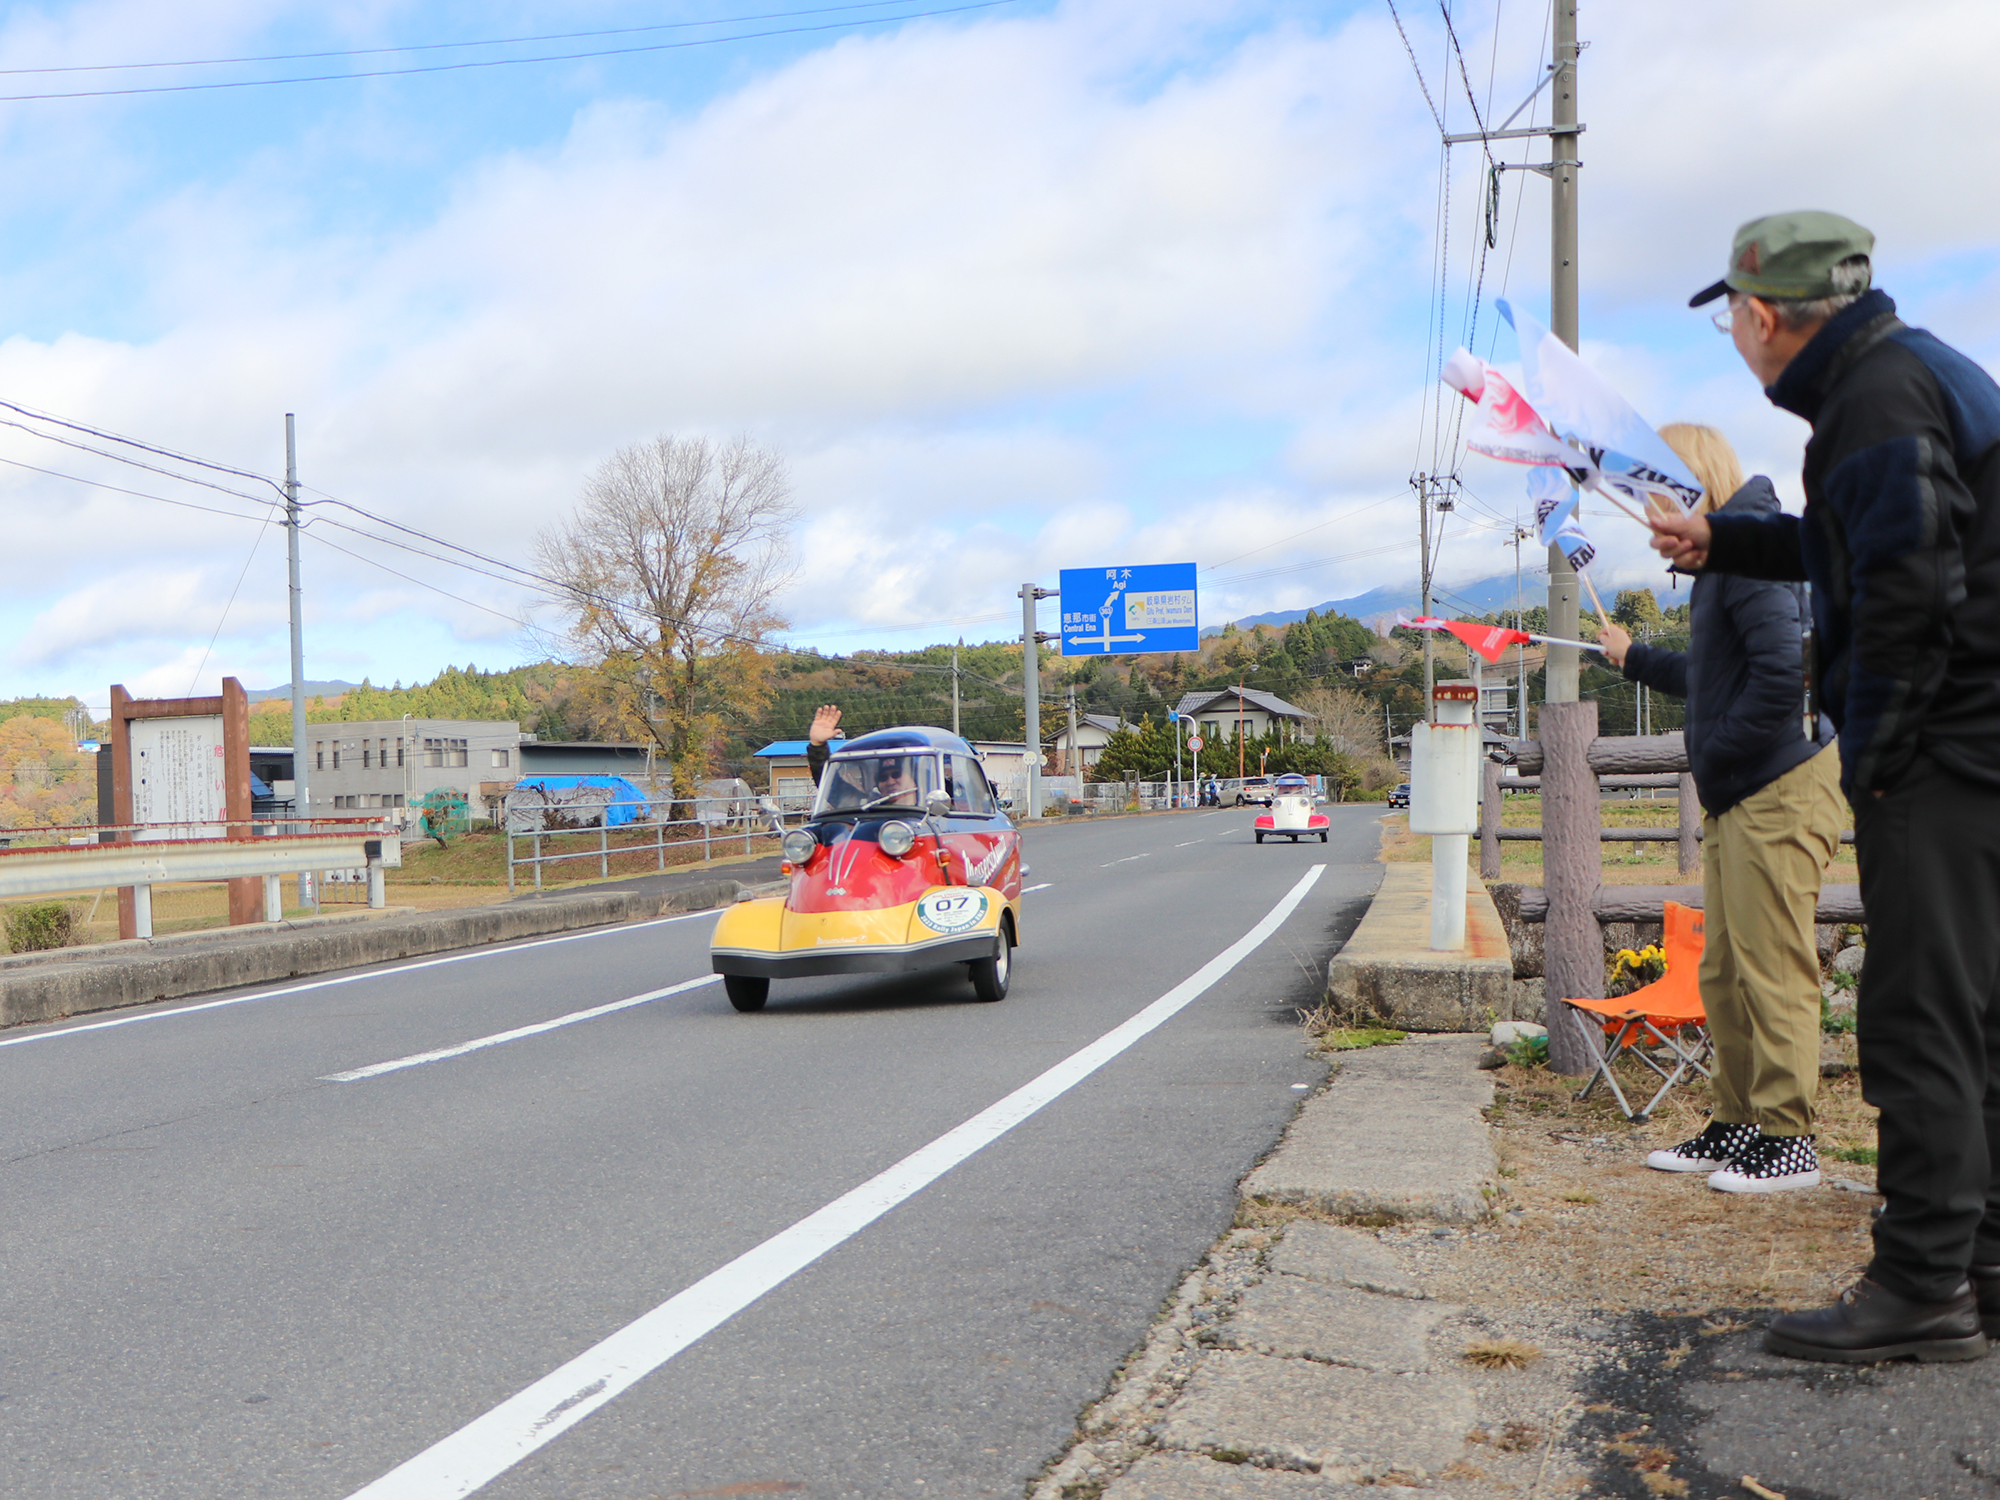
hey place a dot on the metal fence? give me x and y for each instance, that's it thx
(548, 834)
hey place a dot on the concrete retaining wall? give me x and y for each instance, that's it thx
(106, 976)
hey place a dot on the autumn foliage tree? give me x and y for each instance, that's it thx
(668, 572)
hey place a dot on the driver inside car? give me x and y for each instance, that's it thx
(890, 781)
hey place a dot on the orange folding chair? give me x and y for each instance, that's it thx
(1664, 1024)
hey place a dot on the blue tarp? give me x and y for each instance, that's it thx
(628, 801)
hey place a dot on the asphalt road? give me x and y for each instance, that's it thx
(225, 1275)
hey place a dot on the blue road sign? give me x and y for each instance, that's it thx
(1124, 611)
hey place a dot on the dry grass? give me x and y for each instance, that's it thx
(1583, 1221)
(1501, 1354)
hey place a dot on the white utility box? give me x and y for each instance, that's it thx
(1444, 800)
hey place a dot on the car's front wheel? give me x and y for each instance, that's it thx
(746, 991)
(990, 975)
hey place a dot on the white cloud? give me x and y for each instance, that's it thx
(1112, 284)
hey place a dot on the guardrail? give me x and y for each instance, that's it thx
(136, 858)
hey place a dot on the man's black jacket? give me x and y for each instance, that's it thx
(1901, 540)
(1743, 674)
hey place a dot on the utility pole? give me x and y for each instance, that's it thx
(1031, 691)
(301, 794)
(1521, 534)
(954, 685)
(1423, 487)
(1069, 751)
(1560, 683)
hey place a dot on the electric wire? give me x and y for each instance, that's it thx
(502, 62)
(159, 452)
(503, 41)
(50, 437)
(230, 604)
(419, 582)
(98, 484)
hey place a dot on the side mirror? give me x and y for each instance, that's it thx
(938, 803)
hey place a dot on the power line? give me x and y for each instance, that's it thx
(502, 62)
(98, 484)
(50, 437)
(504, 41)
(112, 437)
(419, 582)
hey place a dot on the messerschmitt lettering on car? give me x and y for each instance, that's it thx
(907, 862)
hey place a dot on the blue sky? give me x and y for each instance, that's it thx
(1049, 283)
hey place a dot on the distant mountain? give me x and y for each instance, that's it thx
(313, 690)
(1466, 599)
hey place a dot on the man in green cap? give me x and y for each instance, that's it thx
(1901, 542)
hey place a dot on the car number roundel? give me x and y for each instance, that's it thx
(954, 910)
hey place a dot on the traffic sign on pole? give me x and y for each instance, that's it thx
(1194, 742)
(1127, 611)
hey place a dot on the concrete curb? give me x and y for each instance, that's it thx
(1307, 1360)
(1400, 1132)
(1387, 975)
(108, 976)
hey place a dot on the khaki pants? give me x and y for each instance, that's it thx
(1762, 862)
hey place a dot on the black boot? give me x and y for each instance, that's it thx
(1986, 1284)
(1870, 1323)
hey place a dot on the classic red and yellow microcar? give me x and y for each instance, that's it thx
(908, 861)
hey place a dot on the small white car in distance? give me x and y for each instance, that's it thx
(1292, 814)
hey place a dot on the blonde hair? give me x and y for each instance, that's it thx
(1708, 454)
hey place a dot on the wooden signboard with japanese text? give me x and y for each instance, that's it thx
(182, 767)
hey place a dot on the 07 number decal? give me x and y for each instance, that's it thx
(953, 910)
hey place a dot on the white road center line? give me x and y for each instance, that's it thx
(1125, 861)
(493, 1443)
(1188, 845)
(1042, 887)
(493, 951)
(417, 1060)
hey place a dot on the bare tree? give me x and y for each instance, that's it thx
(1351, 723)
(668, 571)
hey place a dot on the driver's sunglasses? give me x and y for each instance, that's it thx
(888, 774)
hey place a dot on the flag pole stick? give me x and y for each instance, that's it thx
(1597, 603)
(1596, 483)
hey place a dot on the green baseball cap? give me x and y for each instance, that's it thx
(1789, 256)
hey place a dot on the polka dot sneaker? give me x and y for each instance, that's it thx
(1775, 1164)
(1717, 1146)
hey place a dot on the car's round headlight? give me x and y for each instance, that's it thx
(799, 846)
(896, 839)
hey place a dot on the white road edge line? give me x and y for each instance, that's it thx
(493, 1443)
(491, 951)
(417, 1060)
(1042, 887)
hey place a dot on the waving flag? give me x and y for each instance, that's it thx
(1508, 428)
(1488, 640)
(1555, 501)
(1577, 404)
(1577, 547)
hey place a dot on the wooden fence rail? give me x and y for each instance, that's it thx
(1568, 765)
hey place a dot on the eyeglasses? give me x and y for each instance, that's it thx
(1723, 320)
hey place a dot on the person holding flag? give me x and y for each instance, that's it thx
(1771, 819)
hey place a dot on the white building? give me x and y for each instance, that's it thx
(1222, 712)
(393, 763)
